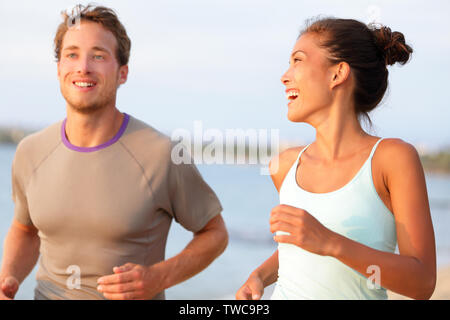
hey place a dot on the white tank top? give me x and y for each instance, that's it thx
(354, 211)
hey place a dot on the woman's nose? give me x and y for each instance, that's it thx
(284, 78)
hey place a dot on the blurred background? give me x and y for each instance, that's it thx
(221, 62)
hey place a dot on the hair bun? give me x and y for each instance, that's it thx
(391, 44)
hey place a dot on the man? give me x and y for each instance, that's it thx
(95, 194)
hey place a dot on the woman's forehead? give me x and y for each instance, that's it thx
(309, 45)
(306, 43)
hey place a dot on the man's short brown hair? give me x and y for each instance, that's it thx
(98, 14)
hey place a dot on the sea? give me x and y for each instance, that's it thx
(247, 197)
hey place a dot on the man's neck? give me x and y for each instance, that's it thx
(92, 129)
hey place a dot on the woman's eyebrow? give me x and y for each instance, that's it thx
(293, 53)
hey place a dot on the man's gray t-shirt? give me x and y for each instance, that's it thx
(96, 208)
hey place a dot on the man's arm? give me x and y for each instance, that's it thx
(132, 281)
(200, 252)
(20, 254)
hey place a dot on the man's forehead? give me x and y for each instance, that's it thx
(89, 34)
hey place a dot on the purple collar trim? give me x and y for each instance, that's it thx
(66, 142)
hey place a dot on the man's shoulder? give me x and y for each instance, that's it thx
(36, 147)
(139, 128)
(144, 141)
(40, 143)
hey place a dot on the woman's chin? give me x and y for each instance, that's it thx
(295, 117)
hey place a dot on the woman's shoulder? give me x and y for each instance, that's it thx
(396, 149)
(395, 156)
(280, 164)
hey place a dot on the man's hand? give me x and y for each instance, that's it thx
(131, 282)
(9, 287)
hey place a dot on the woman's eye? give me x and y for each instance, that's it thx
(294, 60)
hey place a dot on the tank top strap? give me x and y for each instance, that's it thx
(299, 155)
(374, 148)
(368, 161)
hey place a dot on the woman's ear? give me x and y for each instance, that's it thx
(340, 73)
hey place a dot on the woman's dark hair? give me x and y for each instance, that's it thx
(368, 49)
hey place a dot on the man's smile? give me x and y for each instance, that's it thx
(84, 84)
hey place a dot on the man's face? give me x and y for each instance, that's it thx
(88, 70)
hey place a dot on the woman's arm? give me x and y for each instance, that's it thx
(267, 273)
(263, 276)
(411, 273)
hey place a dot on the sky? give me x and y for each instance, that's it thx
(220, 62)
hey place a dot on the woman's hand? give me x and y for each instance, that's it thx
(305, 231)
(253, 289)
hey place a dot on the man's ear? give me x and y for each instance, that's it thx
(340, 73)
(57, 69)
(123, 74)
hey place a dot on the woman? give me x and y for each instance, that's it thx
(346, 198)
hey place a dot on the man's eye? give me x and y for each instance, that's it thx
(98, 57)
(71, 55)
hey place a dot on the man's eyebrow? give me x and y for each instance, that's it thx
(100, 49)
(96, 48)
(71, 48)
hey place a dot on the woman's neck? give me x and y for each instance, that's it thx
(339, 134)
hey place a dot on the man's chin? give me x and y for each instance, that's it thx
(86, 109)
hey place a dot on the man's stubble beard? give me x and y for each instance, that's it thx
(88, 108)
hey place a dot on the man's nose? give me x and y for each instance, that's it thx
(84, 65)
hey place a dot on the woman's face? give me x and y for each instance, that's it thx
(308, 81)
